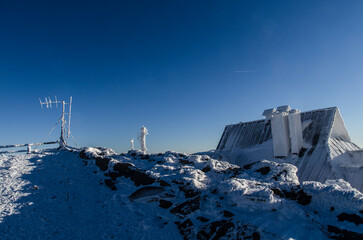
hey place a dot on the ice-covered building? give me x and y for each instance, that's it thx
(317, 142)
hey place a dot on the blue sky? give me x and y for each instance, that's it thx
(184, 69)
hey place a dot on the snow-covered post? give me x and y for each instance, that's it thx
(132, 143)
(62, 142)
(142, 138)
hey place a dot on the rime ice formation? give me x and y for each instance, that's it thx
(142, 138)
(317, 142)
(132, 143)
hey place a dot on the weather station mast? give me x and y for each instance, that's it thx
(65, 126)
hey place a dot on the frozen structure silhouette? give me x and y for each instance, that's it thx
(317, 142)
(142, 138)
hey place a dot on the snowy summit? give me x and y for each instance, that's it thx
(94, 193)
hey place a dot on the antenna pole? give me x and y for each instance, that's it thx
(62, 142)
(65, 128)
(69, 117)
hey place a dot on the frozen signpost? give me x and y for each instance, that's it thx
(142, 138)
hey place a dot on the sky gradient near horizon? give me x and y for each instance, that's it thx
(184, 69)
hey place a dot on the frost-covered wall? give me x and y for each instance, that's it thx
(295, 128)
(280, 134)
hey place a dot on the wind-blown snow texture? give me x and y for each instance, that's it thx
(97, 194)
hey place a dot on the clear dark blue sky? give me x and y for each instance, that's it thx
(185, 69)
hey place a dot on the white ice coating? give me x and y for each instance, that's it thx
(280, 134)
(268, 113)
(295, 131)
(132, 143)
(142, 138)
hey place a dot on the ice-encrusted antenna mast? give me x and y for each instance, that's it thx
(65, 128)
(132, 143)
(142, 138)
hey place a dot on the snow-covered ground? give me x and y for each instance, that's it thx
(97, 194)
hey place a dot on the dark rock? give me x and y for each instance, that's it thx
(203, 219)
(214, 191)
(215, 230)
(277, 176)
(182, 155)
(299, 195)
(139, 177)
(145, 157)
(206, 169)
(113, 175)
(165, 203)
(342, 234)
(332, 209)
(163, 183)
(187, 207)
(354, 218)
(294, 194)
(189, 191)
(303, 198)
(182, 161)
(227, 214)
(361, 211)
(248, 166)
(277, 192)
(256, 236)
(146, 192)
(111, 184)
(102, 163)
(264, 170)
(83, 155)
(119, 167)
(186, 229)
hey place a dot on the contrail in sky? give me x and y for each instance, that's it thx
(246, 71)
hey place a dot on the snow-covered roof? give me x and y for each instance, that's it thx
(317, 125)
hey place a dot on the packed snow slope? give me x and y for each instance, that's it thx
(94, 193)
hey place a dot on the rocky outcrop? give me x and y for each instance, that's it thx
(212, 199)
